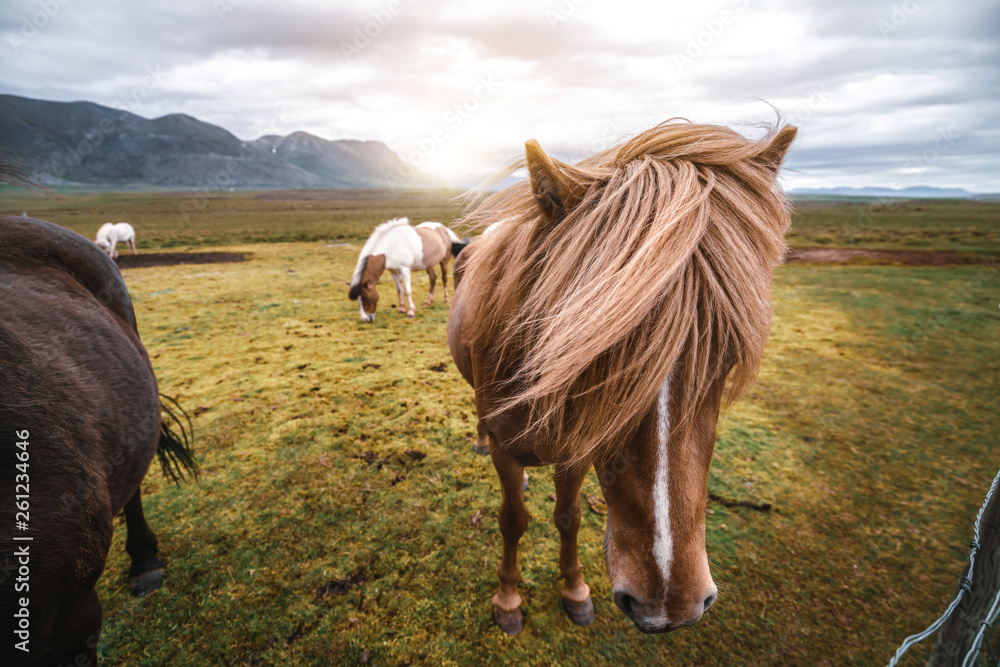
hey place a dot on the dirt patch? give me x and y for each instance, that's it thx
(749, 504)
(148, 259)
(339, 586)
(859, 256)
(327, 195)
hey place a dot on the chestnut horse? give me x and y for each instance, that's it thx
(398, 247)
(80, 421)
(598, 325)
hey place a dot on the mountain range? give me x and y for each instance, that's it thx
(82, 143)
(914, 192)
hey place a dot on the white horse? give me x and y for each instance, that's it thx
(109, 235)
(400, 248)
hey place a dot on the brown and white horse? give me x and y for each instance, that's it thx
(598, 326)
(398, 247)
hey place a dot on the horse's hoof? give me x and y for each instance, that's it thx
(581, 613)
(482, 451)
(511, 622)
(144, 584)
(410, 316)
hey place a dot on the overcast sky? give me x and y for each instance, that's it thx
(886, 93)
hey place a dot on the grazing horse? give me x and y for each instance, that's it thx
(111, 234)
(398, 247)
(598, 325)
(80, 422)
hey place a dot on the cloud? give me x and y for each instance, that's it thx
(869, 83)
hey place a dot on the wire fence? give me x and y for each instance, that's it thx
(981, 646)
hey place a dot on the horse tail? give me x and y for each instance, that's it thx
(458, 268)
(458, 246)
(174, 447)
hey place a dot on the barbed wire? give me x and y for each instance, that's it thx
(965, 586)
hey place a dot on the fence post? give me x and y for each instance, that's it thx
(959, 632)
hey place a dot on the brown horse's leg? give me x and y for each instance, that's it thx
(482, 445)
(444, 276)
(146, 573)
(575, 593)
(433, 277)
(513, 519)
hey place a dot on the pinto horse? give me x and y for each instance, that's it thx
(398, 247)
(80, 421)
(598, 326)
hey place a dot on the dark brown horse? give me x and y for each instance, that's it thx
(598, 323)
(80, 422)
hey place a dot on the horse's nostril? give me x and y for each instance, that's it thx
(710, 600)
(624, 601)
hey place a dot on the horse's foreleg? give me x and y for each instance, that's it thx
(444, 277)
(135, 251)
(411, 309)
(482, 445)
(146, 573)
(433, 277)
(513, 519)
(575, 593)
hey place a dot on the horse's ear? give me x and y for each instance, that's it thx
(558, 186)
(774, 154)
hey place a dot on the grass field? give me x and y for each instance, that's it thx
(175, 219)
(966, 226)
(190, 219)
(334, 515)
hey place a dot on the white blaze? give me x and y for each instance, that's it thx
(663, 542)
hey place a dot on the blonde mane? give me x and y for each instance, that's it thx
(662, 265)
(377, 234)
